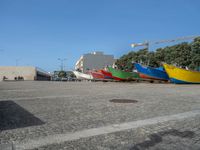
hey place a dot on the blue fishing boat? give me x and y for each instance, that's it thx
(151, 73)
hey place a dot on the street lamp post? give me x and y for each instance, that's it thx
(17, 62)
(61, 61)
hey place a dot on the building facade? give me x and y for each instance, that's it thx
(95, 60)
(22, 73)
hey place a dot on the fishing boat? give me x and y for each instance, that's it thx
(122, 75)
(80, 75)
(97, 75)
(182, 76)
(151, 73)
(107, 75)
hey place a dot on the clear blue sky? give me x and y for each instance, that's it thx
(37, 32)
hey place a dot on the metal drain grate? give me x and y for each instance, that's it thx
(123, 101)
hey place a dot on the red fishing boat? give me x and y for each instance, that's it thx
(97, 75)
(107, 75)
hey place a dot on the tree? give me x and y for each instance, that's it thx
(72, 75)
(152, 61)
(62, 74)
(182, 55)
(195, 54)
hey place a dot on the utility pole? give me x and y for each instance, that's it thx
(17, 62)
(61, 63)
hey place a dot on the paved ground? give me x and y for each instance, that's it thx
(79, 115)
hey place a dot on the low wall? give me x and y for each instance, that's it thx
(11, 72)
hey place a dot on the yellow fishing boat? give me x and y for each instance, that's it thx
(182, 76)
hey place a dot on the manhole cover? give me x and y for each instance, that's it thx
(123, 101)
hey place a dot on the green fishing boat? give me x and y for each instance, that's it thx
(122, 75)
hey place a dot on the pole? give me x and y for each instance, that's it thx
(16, 62)
(61, 63)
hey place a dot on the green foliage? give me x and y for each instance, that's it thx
(72, 75)
(62, 74)
(184, 54)
(195, 53)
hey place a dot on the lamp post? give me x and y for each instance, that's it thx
(61, 61)
(17, 62)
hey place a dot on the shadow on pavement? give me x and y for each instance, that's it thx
(157, 138)
(13, 116)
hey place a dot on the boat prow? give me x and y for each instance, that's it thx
(80, 75)
(182, 76)
(97, 75)
(122, 75)
(106, 74)
(151, 73)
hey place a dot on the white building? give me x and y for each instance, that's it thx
(95, 60)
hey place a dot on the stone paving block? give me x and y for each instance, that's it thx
(64, 107)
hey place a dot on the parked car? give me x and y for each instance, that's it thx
(64, 79)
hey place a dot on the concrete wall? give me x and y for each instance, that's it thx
(10, 72)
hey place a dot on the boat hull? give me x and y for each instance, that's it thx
(107, 75)
(80, 75)
(182, 76)
(151, 73)
(122, 75)
(97, 75)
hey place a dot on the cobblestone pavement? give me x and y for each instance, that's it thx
(30, 111)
